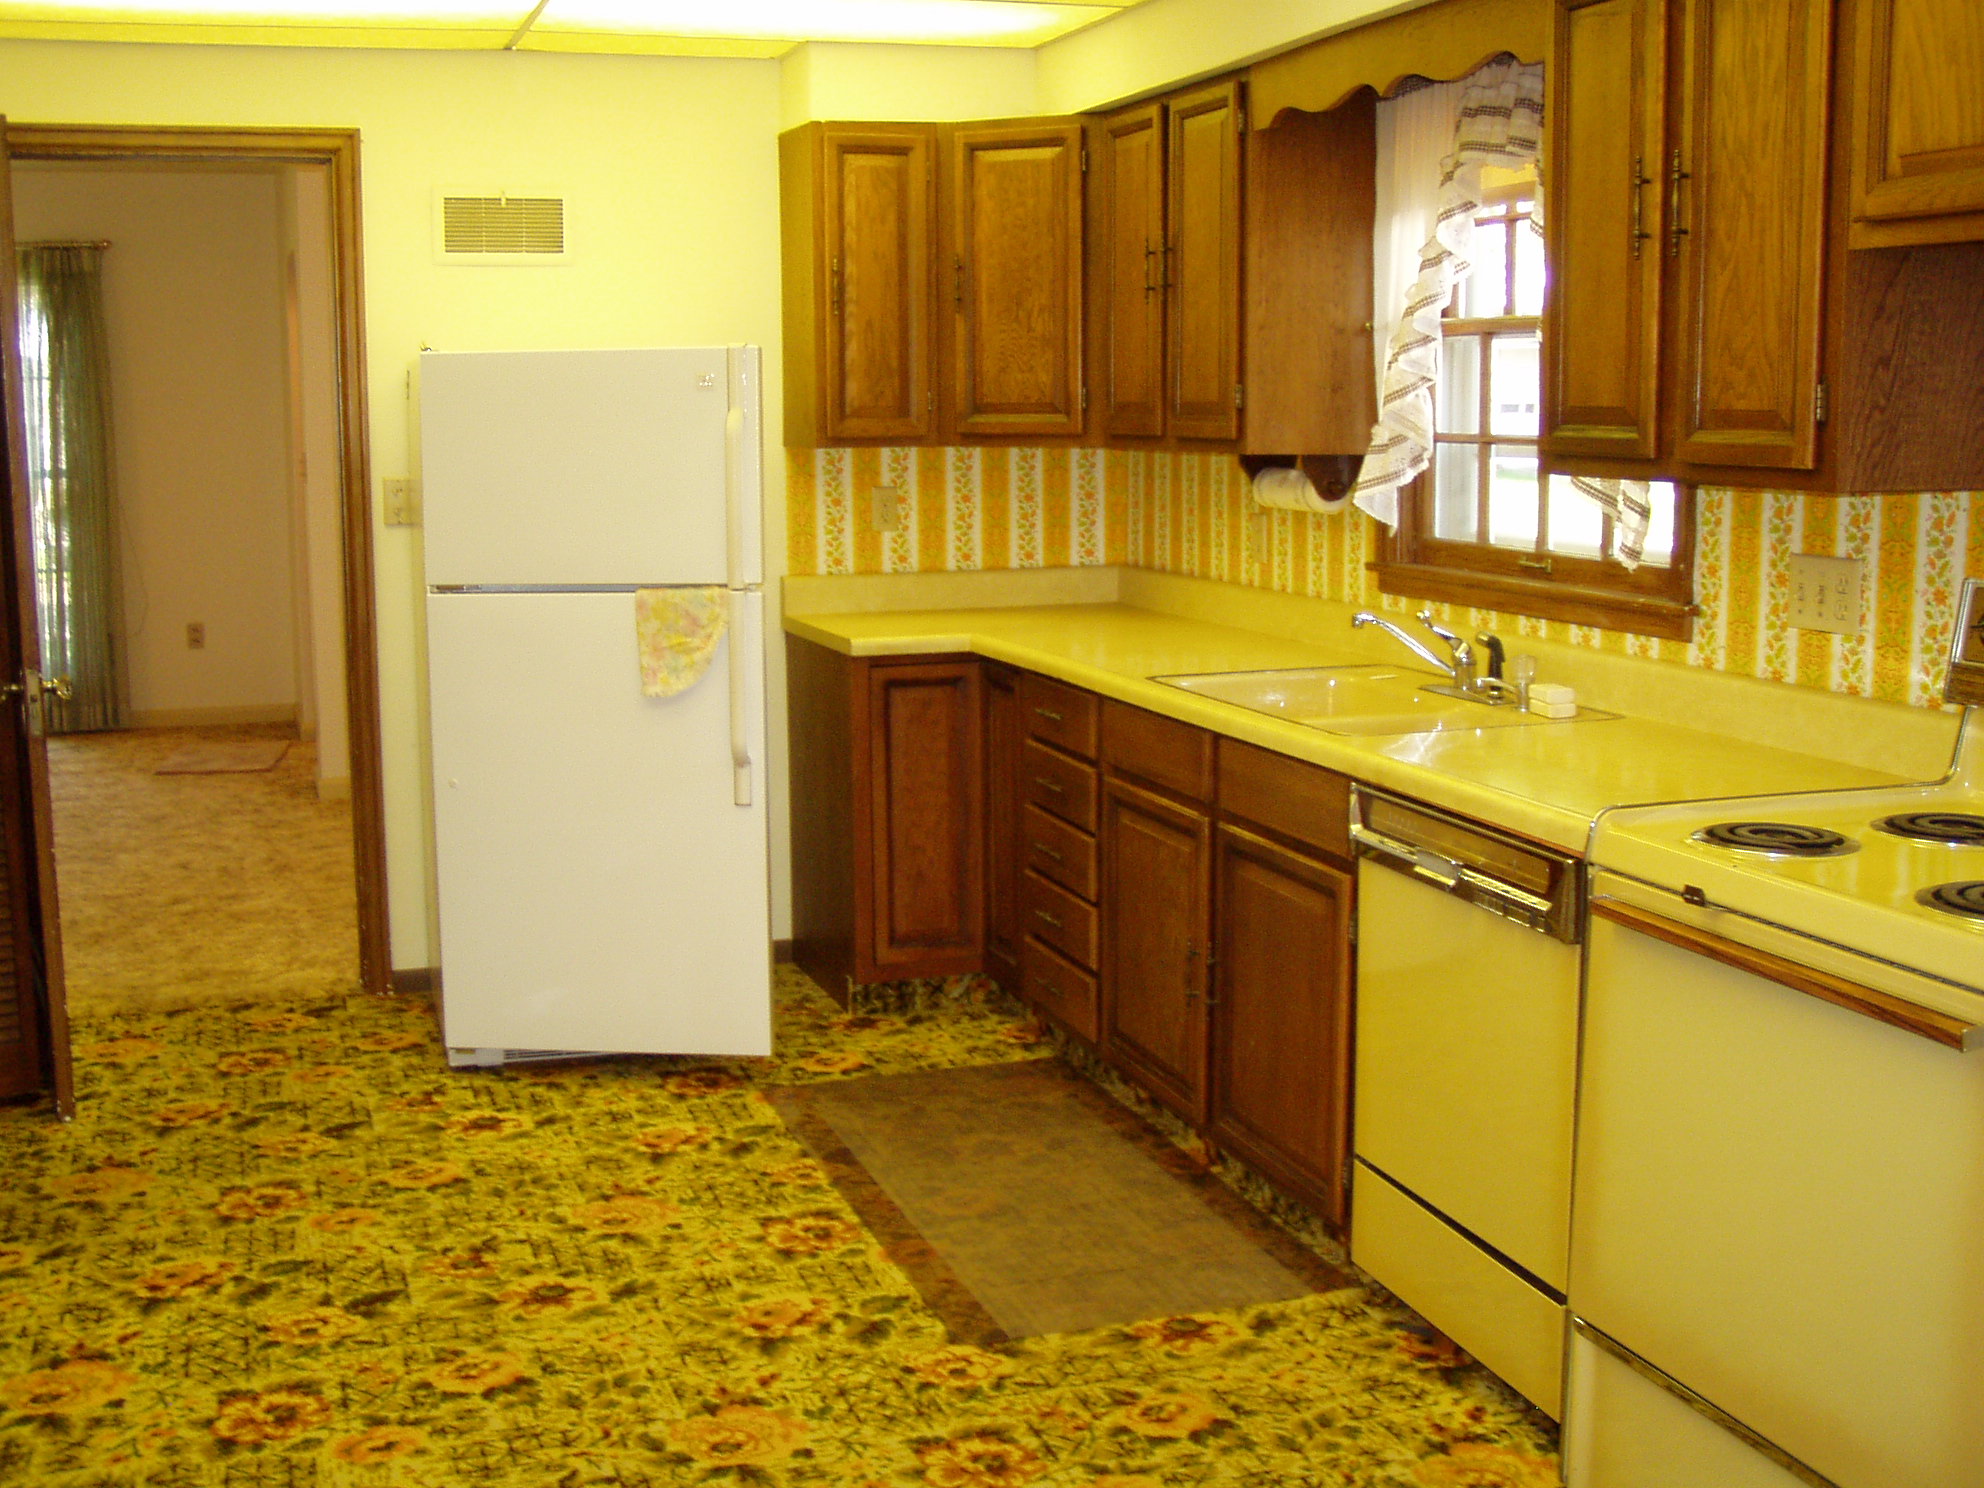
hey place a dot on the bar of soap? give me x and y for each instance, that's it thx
(1553, 700)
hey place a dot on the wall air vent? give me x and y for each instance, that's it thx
(500, 228)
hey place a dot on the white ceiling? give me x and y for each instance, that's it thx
(730, 28)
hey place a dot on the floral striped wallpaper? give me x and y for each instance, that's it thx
(1193, 514)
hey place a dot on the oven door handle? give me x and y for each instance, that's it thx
(1870, 1002)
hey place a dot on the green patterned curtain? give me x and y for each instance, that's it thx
(65, 360)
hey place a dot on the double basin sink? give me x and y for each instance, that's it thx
(1368, 699)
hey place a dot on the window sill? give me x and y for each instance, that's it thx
(1648, 615)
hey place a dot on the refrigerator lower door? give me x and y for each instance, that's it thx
(600, 888)
(1626, 1426)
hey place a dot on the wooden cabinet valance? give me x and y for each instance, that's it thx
(1443, 42)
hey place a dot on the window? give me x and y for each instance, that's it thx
(1483, 527)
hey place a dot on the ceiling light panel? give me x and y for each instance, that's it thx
(1019, 23)
(280, 12)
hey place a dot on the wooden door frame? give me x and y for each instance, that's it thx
(337, 150)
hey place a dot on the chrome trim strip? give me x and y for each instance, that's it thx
(1654, 1375)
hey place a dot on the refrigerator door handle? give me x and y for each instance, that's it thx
(740, 705)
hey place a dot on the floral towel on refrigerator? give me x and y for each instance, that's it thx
(677, 631)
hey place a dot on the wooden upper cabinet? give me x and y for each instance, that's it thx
(1746, 176)
(1918, 122)
(1015, 276)
(858, 217)
(1130, 266)
(1607, 166)
(1203, 254)
(1310, 199)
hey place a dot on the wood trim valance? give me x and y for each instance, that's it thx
(1443, 41)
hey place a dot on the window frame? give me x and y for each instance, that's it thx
(1648, 600)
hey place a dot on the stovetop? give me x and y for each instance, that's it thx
(1836, 865)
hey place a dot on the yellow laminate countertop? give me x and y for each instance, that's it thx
(1546, 780)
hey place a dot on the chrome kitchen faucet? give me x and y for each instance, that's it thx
(1458, 664)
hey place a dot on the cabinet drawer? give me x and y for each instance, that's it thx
(1055, 783)
(1062, 715)
(1059, 988)
(1161, 750)
(1290, 798)
(1058, 851)
(1058, 918)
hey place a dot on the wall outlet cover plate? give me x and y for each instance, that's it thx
(1828, 593)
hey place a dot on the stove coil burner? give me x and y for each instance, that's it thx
(1952, 828)
(1965, 897)
(1777, 839)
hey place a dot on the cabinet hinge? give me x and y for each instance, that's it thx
(1239, 395)
(1084, 400)
(1084, 159)
(1819, 402)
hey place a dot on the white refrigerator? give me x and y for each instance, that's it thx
(601, 856)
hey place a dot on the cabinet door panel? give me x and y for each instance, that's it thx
(927, 798)
(1017, 278)
(1204, 254)
(878, 212)
(1131, 267)
(1919, 96)
(1607, 147)
(1156, 917)
(1281, 1017)
(1751, 227)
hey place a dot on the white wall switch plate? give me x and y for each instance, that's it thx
(1828, 594)
(885, 508)
(402, 501)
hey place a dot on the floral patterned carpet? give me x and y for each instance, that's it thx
(283, 1245)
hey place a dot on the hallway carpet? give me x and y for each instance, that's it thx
(288, 1248)
(177, 889)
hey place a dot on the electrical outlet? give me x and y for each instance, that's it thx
(402, 501)
(196, 636)
(1827, 594)
(885, 508)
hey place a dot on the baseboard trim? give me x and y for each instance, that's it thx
(410, 980)
(334, 788)
(201, 717)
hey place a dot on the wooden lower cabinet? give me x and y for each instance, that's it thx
(1280, 1079)
(1156, 936)
(888, 777)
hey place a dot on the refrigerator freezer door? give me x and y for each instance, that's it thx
(567, 468)
(600, 888)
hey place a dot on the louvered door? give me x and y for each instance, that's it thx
(34, 1030)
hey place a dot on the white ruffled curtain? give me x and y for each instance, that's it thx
(1433, 141)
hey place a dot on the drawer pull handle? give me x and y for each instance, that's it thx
(1047, 852)
(1050, 715)
(1045, 784)
(1042, 914)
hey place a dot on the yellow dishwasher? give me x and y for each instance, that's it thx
(1467, 1029)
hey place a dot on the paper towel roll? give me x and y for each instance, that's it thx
(1285, 488)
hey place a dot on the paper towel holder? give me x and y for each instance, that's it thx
(1331, 475)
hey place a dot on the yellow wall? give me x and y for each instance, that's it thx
(1194, 515)
(671, 171)
(1163, 42)
(841, 80)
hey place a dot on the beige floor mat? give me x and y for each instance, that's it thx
(224, 757)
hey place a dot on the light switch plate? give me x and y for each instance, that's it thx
(1828, 594)
(402, 501)
(1966, 679)
(885, 508)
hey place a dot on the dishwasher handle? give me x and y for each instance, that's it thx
(1557, 917)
